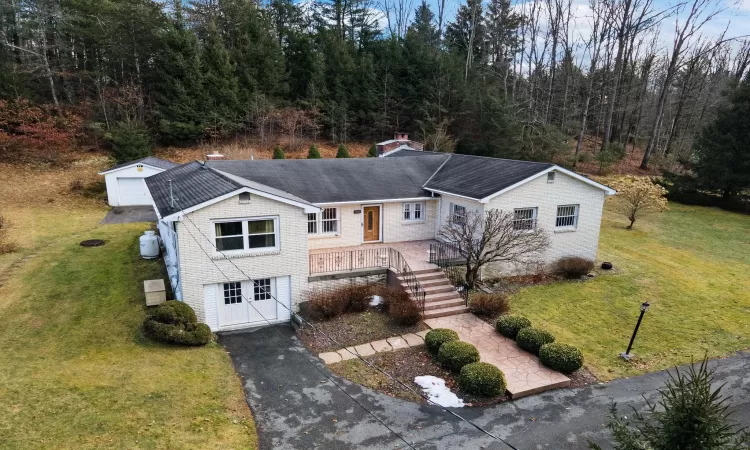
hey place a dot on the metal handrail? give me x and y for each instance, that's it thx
(399, 264)
(449, 259)
(382, 257)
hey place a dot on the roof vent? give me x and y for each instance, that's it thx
(244, 197)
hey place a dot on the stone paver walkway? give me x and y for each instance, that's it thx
(383, 345)
(523, 371)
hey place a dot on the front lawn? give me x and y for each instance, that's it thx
(691, 263)
(76, 370)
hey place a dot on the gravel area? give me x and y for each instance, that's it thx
(353, 329)
(405, 365)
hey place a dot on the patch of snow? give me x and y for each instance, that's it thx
(437, 392)
(376, 300)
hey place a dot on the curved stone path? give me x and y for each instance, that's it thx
(523, 371)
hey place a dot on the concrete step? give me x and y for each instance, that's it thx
(424, 271)
(433, 283)
(442, 304)
(442, 312)
(434, 288)
(426, 276)
(440, 296)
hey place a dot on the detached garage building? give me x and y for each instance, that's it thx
(125, 182)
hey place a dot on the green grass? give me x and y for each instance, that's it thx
(77, 371)
(691, 263)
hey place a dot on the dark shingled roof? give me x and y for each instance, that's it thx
(340, 180)
(478, 177)
(149, 161)
(192, 184)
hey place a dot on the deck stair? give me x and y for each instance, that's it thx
(441, 298)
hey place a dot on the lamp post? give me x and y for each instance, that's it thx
(626, 356)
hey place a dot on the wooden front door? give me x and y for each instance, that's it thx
(372, 223)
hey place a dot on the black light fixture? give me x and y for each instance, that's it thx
(626, 356)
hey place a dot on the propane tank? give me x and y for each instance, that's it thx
(149, 245)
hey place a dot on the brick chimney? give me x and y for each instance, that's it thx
(400, 140)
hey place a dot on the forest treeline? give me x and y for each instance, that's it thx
(498, 79)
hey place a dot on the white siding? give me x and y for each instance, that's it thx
(284, 296)
(197, 270)
(394, 229)
(110, 179)
(445, 207)
(566, 190)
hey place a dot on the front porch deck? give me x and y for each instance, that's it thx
(366, 256)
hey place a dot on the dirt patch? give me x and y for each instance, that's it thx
(352, 329)
(405, 365)
(582, 377)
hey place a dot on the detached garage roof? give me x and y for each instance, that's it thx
(147, 161)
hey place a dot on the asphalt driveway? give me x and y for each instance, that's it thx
(296, 407)
(129, 214)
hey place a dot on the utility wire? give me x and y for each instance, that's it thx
(311, 325)
(249, 302)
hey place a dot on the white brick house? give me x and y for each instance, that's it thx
(239, 233)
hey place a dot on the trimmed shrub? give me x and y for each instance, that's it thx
(373, 151)
(561, 357)
(343, 152)
(313, 153)
(194, 334)
(434, 339)
(573, 266)
(359, 296)
(489, 305)
(509, 325)
(327, 304)
(532, 339)
(173, 312)
(456, 354)
(482, 379)
(401, 307)
(174, 322)
(278, 153)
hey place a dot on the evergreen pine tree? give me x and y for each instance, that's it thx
(177, 85)
(313, 153)
(373, 152)
(723, 155)
(130, 140)
(343, 152)
(278, 153)
(219, 84)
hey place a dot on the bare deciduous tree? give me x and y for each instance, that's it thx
(493, 237)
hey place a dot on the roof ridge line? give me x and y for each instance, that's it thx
(437, 170)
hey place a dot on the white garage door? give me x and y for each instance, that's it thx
(133, 191)
(247, 303)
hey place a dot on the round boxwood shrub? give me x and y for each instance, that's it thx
(434, 339)
(174, 312)
(561, 357)
(456, 354)
(482, 379)
(194, 334)
(532, 339)
(509, 325)
(174, 322)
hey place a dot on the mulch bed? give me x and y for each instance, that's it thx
(405, 365)
(352, 329)
(582, 377)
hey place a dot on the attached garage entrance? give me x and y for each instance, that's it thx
(133, 191)
(239, 304)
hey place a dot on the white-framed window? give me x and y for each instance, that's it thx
(413, 211)
(256, 234)
(330, 221)
(324, 222)
(229, 236)
(312, 223)
(232, 293)
(262, 289)
(458, 213)
(567, 216)
(550, 177)
(524, 218)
